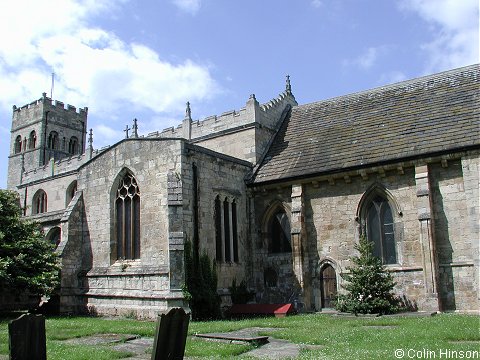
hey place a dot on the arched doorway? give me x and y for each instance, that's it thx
(328, 286)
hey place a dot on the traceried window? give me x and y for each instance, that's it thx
(127, 210)
(279, 233)
(380, 229)
(32, 140)
(18, 144)
(53, 140)
(226, 231)
(39, 205)
(73, 145)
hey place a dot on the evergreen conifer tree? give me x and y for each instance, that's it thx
(369, 285)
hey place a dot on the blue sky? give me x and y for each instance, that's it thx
(145, 59)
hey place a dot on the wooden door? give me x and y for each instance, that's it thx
(328, 281)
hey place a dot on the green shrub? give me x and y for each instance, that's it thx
(200, 288)
(240, 293)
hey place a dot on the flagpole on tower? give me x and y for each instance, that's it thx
(53, 84)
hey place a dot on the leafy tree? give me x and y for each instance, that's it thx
(369, 284)
(27, 261)
(201, 286)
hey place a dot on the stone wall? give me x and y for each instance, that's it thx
(140, 286)
(330, 225)
(455, 240)
(218, 175)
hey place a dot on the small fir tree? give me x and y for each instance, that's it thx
(369, 284)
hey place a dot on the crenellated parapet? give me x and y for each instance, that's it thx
(40, 109)
(54, 168)
(267, 114)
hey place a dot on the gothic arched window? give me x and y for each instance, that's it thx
(279, 233)
(127, 209)
(380, 229)
(53, 140)
(71, 190)
(73, 145)
(32, 140)
(226, 231)
(18, 144)
(54, 236)
(39, 202)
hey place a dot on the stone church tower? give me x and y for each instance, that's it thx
(43, 131)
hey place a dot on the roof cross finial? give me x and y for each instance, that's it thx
(135, 128)
(127, 129)
(288, 86)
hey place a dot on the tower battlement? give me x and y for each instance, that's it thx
(53, 104)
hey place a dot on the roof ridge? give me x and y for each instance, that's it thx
(473, 68)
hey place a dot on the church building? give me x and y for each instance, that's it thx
(277, 194)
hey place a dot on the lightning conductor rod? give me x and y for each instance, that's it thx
(53, 84)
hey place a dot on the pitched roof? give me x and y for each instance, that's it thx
(424, 116)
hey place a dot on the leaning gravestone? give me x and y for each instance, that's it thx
(171, 335)
(27, 339)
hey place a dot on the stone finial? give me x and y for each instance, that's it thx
(90, 138)
(44, 95)
(288, 86)
(135, 128)
(127, 129)
(188, 111)
(90, 144)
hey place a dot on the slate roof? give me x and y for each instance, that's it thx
(426, 116)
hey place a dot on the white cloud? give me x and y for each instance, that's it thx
(454, 25)
(92, 66)
(189, 6)
(392, 77)
(317, 3)
(366, 59)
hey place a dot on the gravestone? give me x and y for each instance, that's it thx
(171, 335)
(27, 339)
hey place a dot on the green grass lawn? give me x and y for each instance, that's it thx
(340, 338)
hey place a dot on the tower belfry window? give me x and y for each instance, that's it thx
(73, 145)
(32, 140)
(53, 140)
(127, 208)
(18, 144)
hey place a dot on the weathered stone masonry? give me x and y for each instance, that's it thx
(277, 193)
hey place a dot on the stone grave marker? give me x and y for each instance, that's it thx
(26, 338)
(171, 335)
